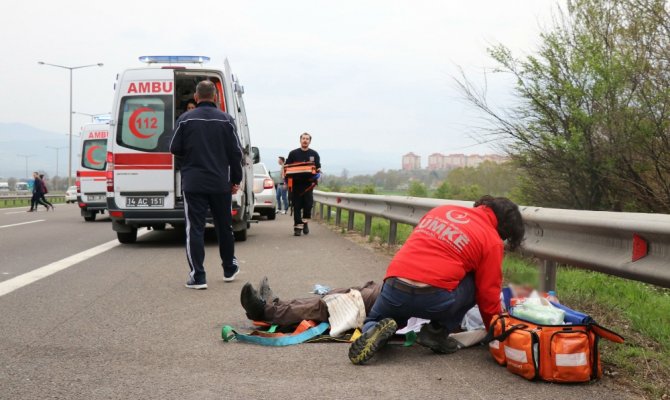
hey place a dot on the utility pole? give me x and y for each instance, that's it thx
(57, 150)
(26, 156)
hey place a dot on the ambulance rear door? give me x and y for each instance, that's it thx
(245, 142)
(144, 120)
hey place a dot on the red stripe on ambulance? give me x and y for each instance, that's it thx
(143, 161)
(90, 173)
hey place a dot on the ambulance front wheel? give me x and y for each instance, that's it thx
(127, 237)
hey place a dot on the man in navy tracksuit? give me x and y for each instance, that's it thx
(210, 154)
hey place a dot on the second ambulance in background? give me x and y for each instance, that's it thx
(91, 176)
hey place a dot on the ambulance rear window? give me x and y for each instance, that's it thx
(145, 123)
(94, 153)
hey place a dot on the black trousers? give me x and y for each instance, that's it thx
(302, 205)
(37, 199)
(195, 208)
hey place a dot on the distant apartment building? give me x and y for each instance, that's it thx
(411, 161)
(436, 162)
(439, 161)
(476, 159)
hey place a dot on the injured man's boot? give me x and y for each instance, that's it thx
(436, 339)
(265, 292)
(252, 303)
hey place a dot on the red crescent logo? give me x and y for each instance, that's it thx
(89, 155)
(457, 217)
(132, 122)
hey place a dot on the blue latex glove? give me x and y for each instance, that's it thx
(320, 289)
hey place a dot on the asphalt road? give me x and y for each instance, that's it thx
(121, 325)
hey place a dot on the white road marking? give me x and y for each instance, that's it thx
(35, 275)
(16, 212)
(22, 223)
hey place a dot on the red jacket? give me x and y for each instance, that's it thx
(448, 243)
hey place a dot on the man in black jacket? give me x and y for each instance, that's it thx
(301, 186)
(206, 142)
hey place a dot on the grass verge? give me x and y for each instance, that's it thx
(9, 203)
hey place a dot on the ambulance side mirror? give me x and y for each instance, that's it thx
(256, 154)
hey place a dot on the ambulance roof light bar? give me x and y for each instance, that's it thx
(174, 59)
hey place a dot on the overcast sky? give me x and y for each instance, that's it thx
(366, 75)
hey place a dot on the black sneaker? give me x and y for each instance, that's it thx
(231, 277)
(252, 303)
(365, 347)
(436, 339)
(297, 231)
(191, 284)
(265, 292)
(305, 228)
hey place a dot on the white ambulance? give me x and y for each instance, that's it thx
(91, 175)
(143, 182)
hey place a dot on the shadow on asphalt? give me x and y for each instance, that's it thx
(170, 237)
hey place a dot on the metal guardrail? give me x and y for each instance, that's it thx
(634, 246)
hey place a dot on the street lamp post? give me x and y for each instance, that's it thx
(57, 150)
(93, 116)
(69, 164)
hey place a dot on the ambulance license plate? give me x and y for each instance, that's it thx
(144, 201)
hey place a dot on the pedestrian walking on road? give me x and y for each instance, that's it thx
(38, 194)
(44, 192)
(307, 163)
(206, 143)
(451, 261)
(282, 190)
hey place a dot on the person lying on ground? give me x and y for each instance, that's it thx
(262, 305)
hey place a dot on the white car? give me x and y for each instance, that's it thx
(71, 194)
(265, 194)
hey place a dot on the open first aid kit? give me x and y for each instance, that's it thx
(548, 341)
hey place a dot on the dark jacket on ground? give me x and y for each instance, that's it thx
(210, 154)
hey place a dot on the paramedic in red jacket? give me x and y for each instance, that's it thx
(451, 261)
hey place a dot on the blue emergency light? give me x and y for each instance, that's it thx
(174, 59)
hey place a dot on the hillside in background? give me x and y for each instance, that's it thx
(21, 139)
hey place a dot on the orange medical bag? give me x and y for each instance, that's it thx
(554, 353)
(302, 171)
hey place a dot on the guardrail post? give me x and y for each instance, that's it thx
(328, 215)
(338, 216)
(547, 275)
(368, 225)
(350, 221)
(321, 210)
(393, 231)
